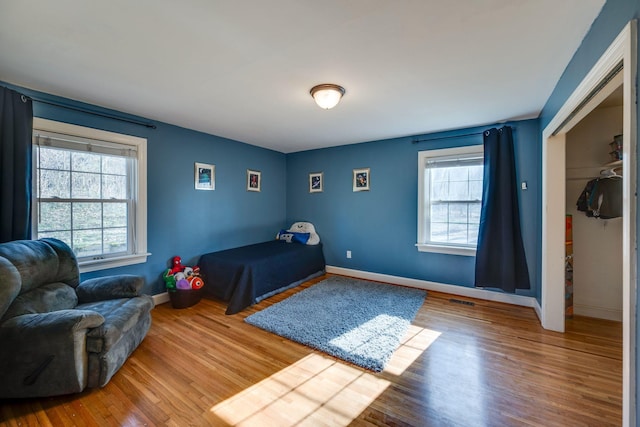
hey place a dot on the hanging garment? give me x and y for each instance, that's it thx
(602, 198)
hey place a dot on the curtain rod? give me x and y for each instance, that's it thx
(95, 113)
(437, 138)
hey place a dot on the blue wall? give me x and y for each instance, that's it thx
(181, 220)
(380, 226)
(612, 19)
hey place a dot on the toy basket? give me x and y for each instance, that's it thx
(183, 298)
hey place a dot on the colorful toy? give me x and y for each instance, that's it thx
(196, 282)
(169, 279)
(177, 265)
(181, 281)
(182, 277)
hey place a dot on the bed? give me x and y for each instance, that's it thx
(246, 275)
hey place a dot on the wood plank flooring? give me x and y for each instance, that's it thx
(489, 364)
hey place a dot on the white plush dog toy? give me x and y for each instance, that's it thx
(306, 227)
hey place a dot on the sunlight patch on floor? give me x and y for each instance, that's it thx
(315, 390)
(415, 342)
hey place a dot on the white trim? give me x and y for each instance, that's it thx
(423, 244)
(446, 249)
(538, 309)
(121, 261)
(623, 48)
(597, 312)
(437, 287)
(160, 298)
(139, 185)
(86, 132)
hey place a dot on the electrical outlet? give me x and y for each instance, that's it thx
(348, 254)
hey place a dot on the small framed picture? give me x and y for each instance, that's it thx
(315, 182)
(205, 178)
(361, 179)
(253, 180)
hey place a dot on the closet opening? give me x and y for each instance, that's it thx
(596, 88)
(593, 237)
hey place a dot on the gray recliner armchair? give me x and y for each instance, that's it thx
(57, 335)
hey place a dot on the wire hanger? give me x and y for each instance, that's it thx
(610, 173)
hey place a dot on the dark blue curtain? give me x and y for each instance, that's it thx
(16, 123)
(500, 257)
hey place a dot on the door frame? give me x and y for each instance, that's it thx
(622, 50)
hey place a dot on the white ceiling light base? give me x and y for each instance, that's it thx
(327, 95)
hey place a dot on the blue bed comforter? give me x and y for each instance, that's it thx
(244, 276)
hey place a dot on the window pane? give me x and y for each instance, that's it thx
(85, 162)
(458, 213)
(114, 165)
(439, 232)
(458, 190)
(473, 235)
(114, 187)
(115, 214)
(475, 173)
(87, 216)
(439, 212)
(115, 240)
(87, 242)
(440, 190)
(457, 233)
(65, 236)
(439, 174)
(54, 184)
(51, 158)
(458, 173)
(54, 216)
(475, 190)
(85, 186)
(474, 213)
(453, 214)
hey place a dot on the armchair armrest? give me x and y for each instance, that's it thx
(45, 354)
(111, 287)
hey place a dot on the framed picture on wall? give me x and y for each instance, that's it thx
(205, 177)
(361, 179)
(315, 182)
(253, 180)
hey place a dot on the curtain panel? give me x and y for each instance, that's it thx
(500, 256)
(16, 127)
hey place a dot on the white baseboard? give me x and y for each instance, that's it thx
(160, 298)
(440, 287)
(420, 284)
(597, 312)
(538, 310)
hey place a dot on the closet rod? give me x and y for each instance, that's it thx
(95, 113)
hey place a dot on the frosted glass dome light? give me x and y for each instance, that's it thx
(327, 95)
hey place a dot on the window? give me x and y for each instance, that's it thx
(449, 199)
(90, 192)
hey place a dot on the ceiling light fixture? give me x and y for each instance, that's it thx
(327, 95)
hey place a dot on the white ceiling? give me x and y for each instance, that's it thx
(243, 69)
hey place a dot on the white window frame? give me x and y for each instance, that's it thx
(140, 253)
(423, 244)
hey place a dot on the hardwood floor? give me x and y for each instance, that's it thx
(488, 364)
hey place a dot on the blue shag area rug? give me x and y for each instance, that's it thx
(355, 320)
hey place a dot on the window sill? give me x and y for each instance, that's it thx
(103, 264)
(446, 249)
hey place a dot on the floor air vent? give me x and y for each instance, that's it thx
(459, 301)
